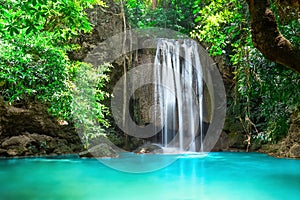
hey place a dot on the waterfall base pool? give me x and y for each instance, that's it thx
(213, 177)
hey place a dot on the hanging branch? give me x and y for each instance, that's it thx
(267, 38)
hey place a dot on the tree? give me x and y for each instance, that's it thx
(154, 4)
(266, 36)
(263, 93)
(35, 38)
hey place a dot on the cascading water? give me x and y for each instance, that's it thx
(178, 92)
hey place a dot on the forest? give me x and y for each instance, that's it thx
(255, 45)
(149, 99)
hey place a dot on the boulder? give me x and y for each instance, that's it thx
(36, 145)
(295, 151)
(14, 152)
(100, 151)
(29, 130)
(16, 145)
(20, 141)
(149, 148)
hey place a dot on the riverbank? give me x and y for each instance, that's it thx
(31, 131)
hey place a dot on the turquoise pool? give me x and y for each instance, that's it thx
(217, 176)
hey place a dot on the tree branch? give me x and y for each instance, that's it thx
(267, 38)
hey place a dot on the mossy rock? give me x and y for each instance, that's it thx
(237, 140)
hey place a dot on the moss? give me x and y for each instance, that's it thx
(237, 140)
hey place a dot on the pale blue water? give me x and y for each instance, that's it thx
(218, 176)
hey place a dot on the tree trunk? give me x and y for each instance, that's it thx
(267, 38)
(154, 4)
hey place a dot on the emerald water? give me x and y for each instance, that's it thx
(190, 177)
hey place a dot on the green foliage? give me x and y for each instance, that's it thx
(34, 41)
(31, 70)
(291, 31)
(279, 91)
(88, 94)
(220, 24)
(173, 14)
(61, 19)
(265, 93)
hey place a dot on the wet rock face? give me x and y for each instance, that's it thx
(31, 131)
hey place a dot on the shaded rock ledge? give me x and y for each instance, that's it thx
(32, 131)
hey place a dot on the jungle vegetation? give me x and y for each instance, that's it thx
(258, 55)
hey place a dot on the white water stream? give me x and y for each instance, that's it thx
(178, 92)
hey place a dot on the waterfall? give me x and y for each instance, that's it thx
(178, 94)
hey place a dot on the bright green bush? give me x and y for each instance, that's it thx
(31, 70)
(34, 41)
(89, 112)
(60, 19)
